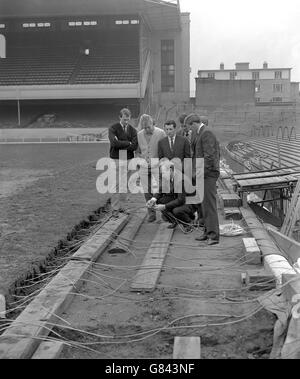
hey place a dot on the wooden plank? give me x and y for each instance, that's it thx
(232, 213)
(273, 259)
(252, 251)
(49, 350)
(2, 306)
(22, 337)
(230, 200)
(95, 245)
(288, 245)
(260, 280)
(123, 242)
(149, 271)
(187, 348)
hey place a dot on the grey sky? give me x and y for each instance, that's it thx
(253, 31)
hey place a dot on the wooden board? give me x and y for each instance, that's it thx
(23, 336)
(289, 246)
(232, 213)
(123, 241)
(149, 271)
(187, 348)
(49, 350)
(252, 251)
(230, 200)
(95, 245)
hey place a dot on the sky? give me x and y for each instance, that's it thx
(253, 31)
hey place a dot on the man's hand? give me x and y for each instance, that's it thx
(160, 207)
(151, 202)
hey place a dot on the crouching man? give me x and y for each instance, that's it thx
(171, 199)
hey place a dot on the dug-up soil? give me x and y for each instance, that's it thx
(199, 293)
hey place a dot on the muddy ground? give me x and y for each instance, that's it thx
(199, 293)
(45, 190)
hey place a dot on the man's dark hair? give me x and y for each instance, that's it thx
(182, 118)
(170, 122)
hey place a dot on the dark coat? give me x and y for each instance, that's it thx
(181, 148)
(124, 141)
(172, 199)
(205, 145)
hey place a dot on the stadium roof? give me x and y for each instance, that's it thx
(159, 14)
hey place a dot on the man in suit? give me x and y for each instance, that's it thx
(171, 198)
(123, 138)
(173, 146)
(205, 145)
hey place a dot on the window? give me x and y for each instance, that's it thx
(2, 26)
(36, 25)
(257, 88)
(277, 87)
(43, 24)
(211, 75)
(277, 99)
(167, 66)
(233, 75)
(257, 99)
(255, 75)
(126, 22)
(278, 74)
(83, 23)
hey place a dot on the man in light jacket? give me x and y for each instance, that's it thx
(148, 139)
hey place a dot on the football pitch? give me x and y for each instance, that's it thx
(45, 190)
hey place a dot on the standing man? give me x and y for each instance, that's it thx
(184, 130)
(148, 138)
(205, 145)
(123, 138)
(173, 146)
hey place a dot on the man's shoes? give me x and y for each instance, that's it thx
(201, 238)
(151, 218)
(172, 226)
(115, 214)
(212, 242)
(187, 228)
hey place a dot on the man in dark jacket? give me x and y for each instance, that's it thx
(173, 146)
(123, 142)
(171, 199)
(205, 145)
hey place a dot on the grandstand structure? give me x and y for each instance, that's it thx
(108, 53)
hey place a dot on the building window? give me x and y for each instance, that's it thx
(277, 87)
(277, 99)
(278, 74)
(82, 23)
(2, 26)
(233, 75)
(257, 99)
(255, 75)
(211, 75)
(257, 88)
(167, 65)
(127, 22)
